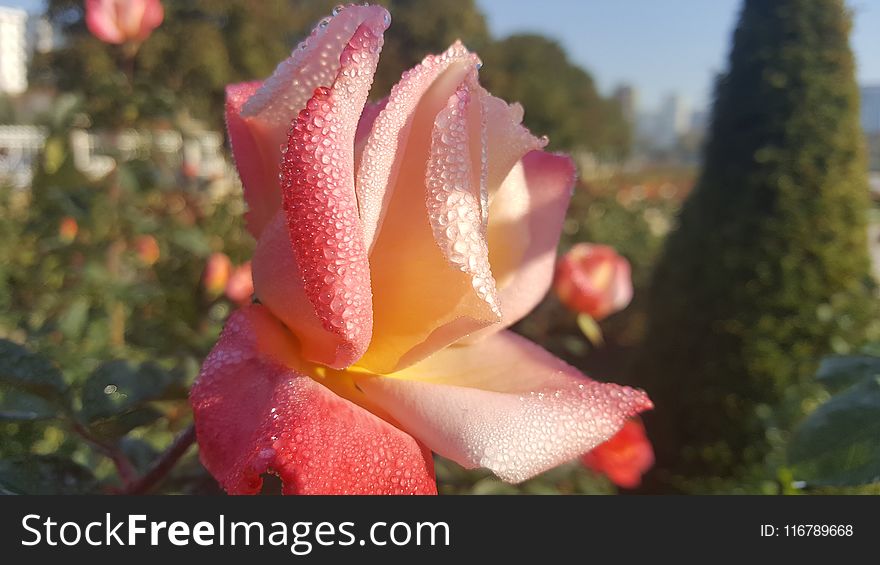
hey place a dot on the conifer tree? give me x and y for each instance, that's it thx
(768, 269)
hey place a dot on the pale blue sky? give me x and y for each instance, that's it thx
(659, 46)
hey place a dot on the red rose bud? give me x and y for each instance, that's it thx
(67, 229)
(147, 249)
(594, 280)
(216, 274)
(240, 285)
(625, 457)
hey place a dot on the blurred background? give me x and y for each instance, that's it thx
(728, 150)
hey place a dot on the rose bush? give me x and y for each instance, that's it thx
(396, 241)
(123, 21)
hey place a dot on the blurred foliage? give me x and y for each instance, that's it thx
(768, 269)
(838, 444)
(203, 45)
(125, 332)
(535, 71)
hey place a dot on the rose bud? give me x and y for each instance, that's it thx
(594, 280)
(216, 274)
(123, 21)
(625, 457)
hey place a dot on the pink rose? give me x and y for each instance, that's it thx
(593, 280)
(401, 240)
(123, 21)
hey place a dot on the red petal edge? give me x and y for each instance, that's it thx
(254, 415)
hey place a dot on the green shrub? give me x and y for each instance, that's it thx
(768, 268)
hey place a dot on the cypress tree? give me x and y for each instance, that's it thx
(768, 268)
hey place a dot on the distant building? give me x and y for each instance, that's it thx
(627, 97)
(673, 120)
(871, 109)
(13, 51)
(42, 37)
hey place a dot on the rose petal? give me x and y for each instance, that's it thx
(101, 21)
(150, 18)
(143, 18)
(257, 158)
(431, 282)
(535, 194)
(320, 203)
(278, 283)
(419, 86)
(504, 404)
(507, 139)
(257, 414)
(266, 111)
(365, 126)
(456, 198)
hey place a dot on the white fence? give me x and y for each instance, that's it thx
(95, 154)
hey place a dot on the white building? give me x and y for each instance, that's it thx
(871, 109)
(13, 51)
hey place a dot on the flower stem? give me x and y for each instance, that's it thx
(164, 464)
(126, 470)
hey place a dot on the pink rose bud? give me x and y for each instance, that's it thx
(123, 21)
(593, 280)
(216, 274)
(147, 249)
(67, 229)
(625, 457)
(240, 286)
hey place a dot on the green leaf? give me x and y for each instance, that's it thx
(839, 443)
(73, 320)
(192, 240)
(54, 154)
(141, 454)
(18, 406)
(118, 387)
(45, 474)
(115, 427)
(839, 372)
(31, 373)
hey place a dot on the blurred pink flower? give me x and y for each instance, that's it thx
(396, 242)
(594, 280)
(216, 274)
(123, 21)
(625, 457)
(67, 229)
(147, 249)
(240, 285)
